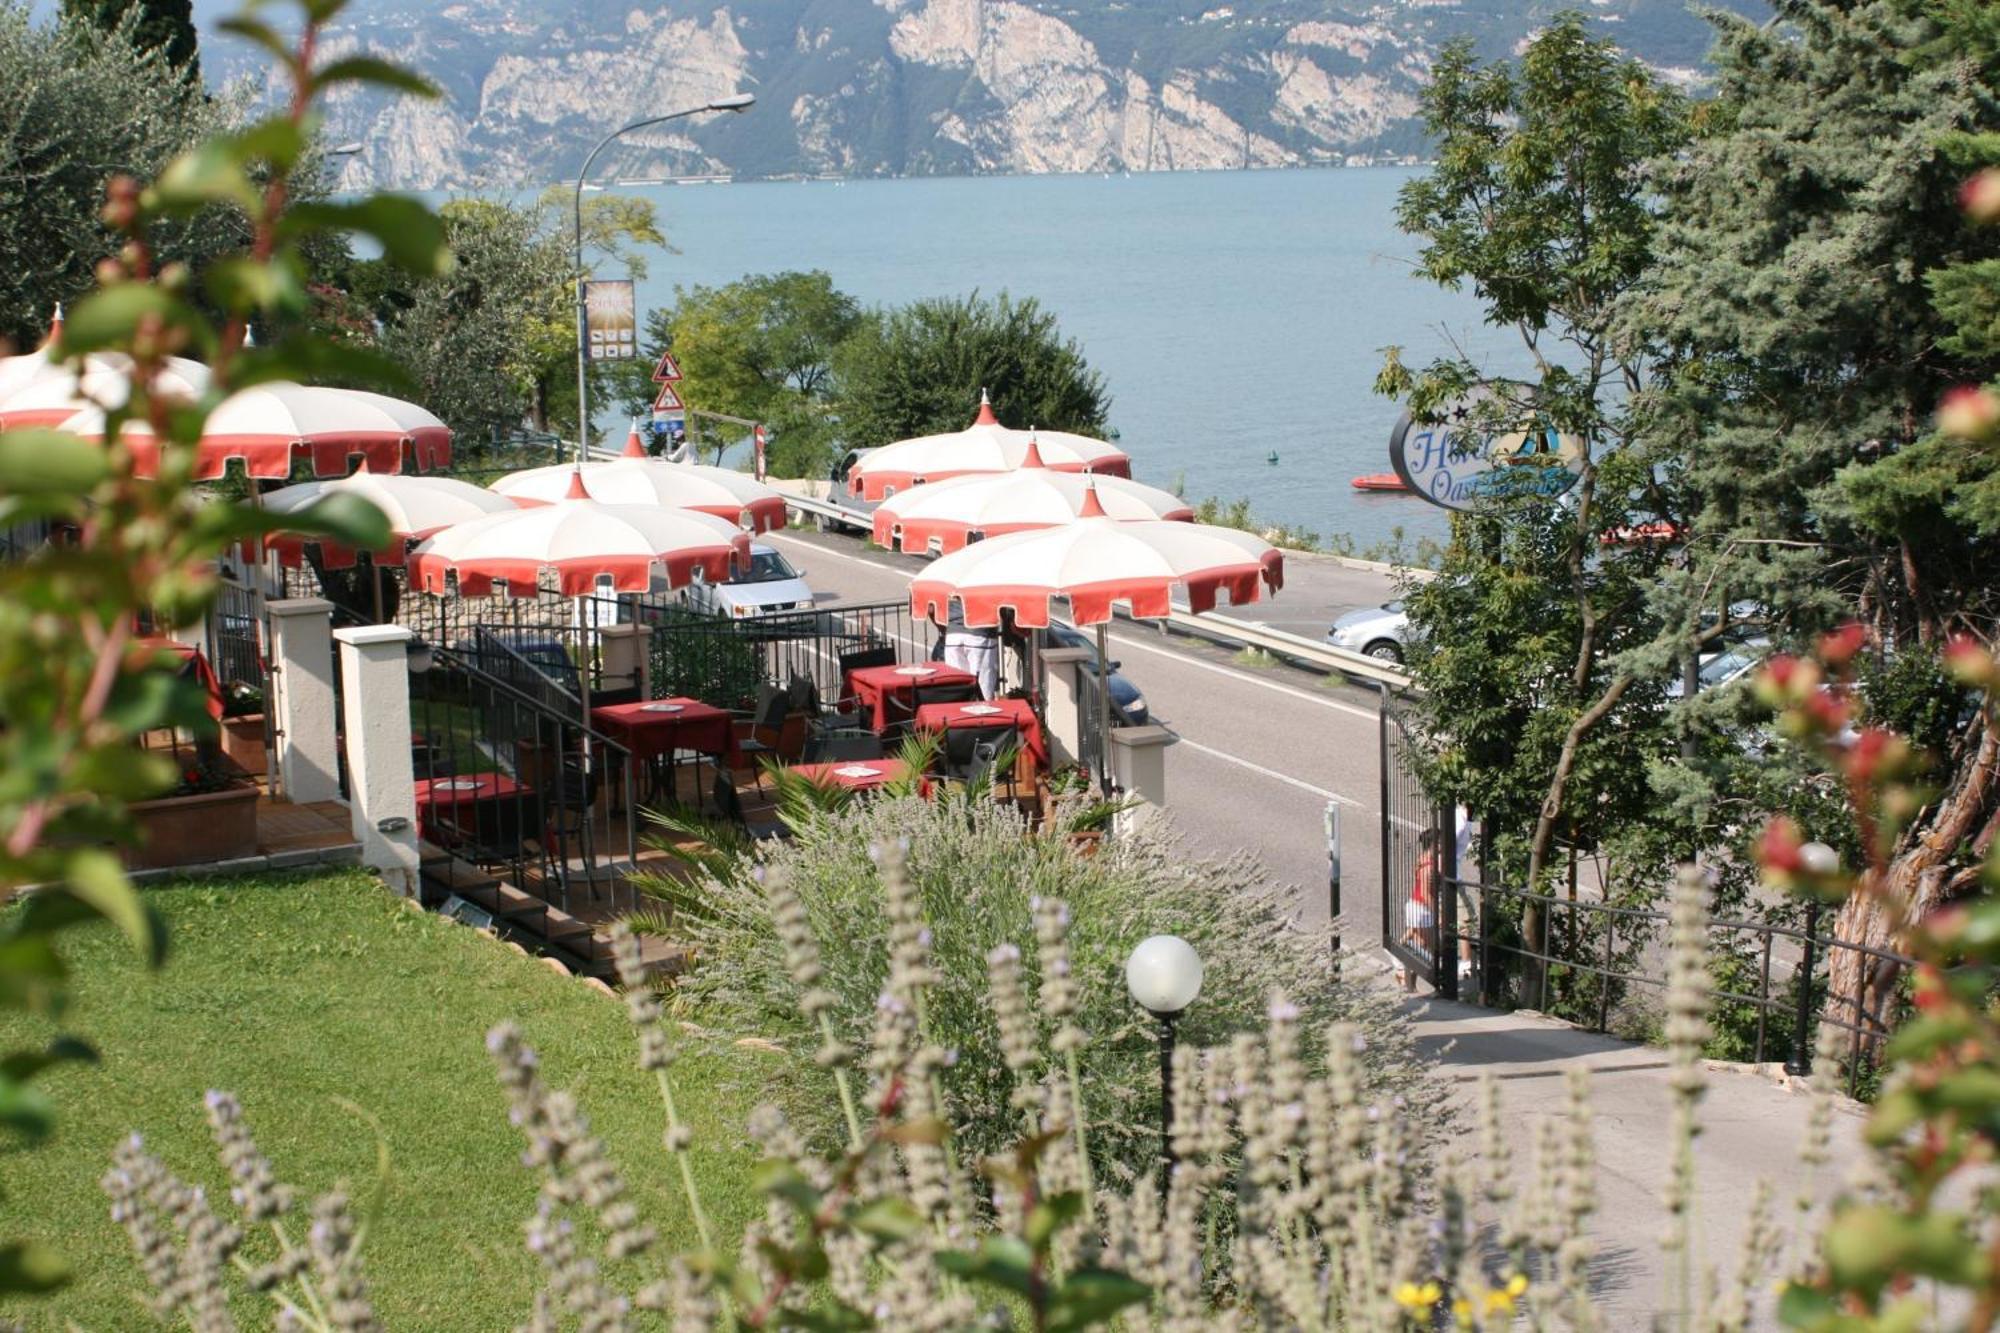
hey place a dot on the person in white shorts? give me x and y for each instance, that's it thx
(973, 650)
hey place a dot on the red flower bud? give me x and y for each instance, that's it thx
(1876, 753)
(1928, 993)
(1968, 661)
(1778, 849)
(1839, 647)
(1829, 711)
(1969, 412)
(1980, 196)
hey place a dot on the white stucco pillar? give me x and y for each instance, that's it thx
(375, 705)
(1063, 705)
(626, 651)
(1139, 768)
(301, 699)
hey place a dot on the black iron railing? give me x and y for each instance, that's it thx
(1588, 956)
(513, 789)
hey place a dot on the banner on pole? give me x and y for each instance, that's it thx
(611, 320)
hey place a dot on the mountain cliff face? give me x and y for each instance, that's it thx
(907, 87)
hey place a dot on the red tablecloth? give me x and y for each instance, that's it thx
(659, 726)
(1018, 713)
(849, 772)
(873, 687)
(453, 797)
(194, 663)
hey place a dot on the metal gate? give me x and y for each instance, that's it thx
(1419, 862)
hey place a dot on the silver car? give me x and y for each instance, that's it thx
(1373, 631)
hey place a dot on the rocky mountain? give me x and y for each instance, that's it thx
(911, 87)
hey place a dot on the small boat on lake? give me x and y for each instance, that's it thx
(1380, 481)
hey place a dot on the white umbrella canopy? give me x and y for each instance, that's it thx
(984, 446)
(267, 424)
(1095, 562)
(416, 507)
(582, 542)
(430, 438)
(945, 514)
(636, 479)
(103, 379)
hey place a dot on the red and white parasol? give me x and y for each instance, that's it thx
(265, 426)
(1096, 562)
(416, 507)
(945, 514)
(582, 542)
(984, 446)
(429, 438)
(636, 479)
(105, 378)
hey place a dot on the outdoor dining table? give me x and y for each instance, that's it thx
(853, 774)
(1016, 713)
(654, 729)
(873, 687)
(453, 798)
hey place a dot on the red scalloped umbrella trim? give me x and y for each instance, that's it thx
(577, 577)
(1091, 603)
(875, 485)
(430, 447)
(270, 456)
(916, 534)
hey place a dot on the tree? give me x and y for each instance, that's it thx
(165, 26)
(760, 348)
(1818, 291)
(919, 369)
(1525, 646)
(76, 106)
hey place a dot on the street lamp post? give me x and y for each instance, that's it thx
(1819, 860)
(1164, 976)
(733, 102)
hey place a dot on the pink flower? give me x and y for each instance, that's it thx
(1980, 196)
(1839, 647)
(1968, 661)
(1969, 412)
(1778, 849)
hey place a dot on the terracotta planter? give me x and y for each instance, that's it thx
(243, 742)
(194, 830)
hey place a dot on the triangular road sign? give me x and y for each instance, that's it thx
(666, 372)
(668, 401)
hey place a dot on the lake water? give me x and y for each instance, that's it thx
(1233, 314)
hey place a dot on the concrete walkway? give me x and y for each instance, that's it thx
(1751, 1127)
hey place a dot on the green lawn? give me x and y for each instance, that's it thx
(300, 993)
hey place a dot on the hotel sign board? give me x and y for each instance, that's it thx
(611, 321)
(1464, 459)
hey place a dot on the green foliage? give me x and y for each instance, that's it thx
(761, 348)
(282, 989)
(918, 370)
(165, 26)
(77, 689)
(976, 868)
(76, 106)
(1539, 201)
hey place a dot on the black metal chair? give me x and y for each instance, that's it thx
(860, 658)
(838, 746)
(730, 803)
(489, 833)
(766, 730)
(806, 702)
(955, 692)
(972, 753)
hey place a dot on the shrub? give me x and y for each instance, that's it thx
(978, 870)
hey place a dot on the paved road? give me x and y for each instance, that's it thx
(1751, 1130)
(1262, 750)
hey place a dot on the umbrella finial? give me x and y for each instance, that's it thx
(986, 416)
(634, 446)
(55, 327)
(576, 489)
(1033, 458)
(1092, 507)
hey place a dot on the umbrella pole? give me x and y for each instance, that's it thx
(375, 584)
(1103, 709)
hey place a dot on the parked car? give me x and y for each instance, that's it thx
(1719, 669)
(770, 584)
(1128, 705)
(1374, 631)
